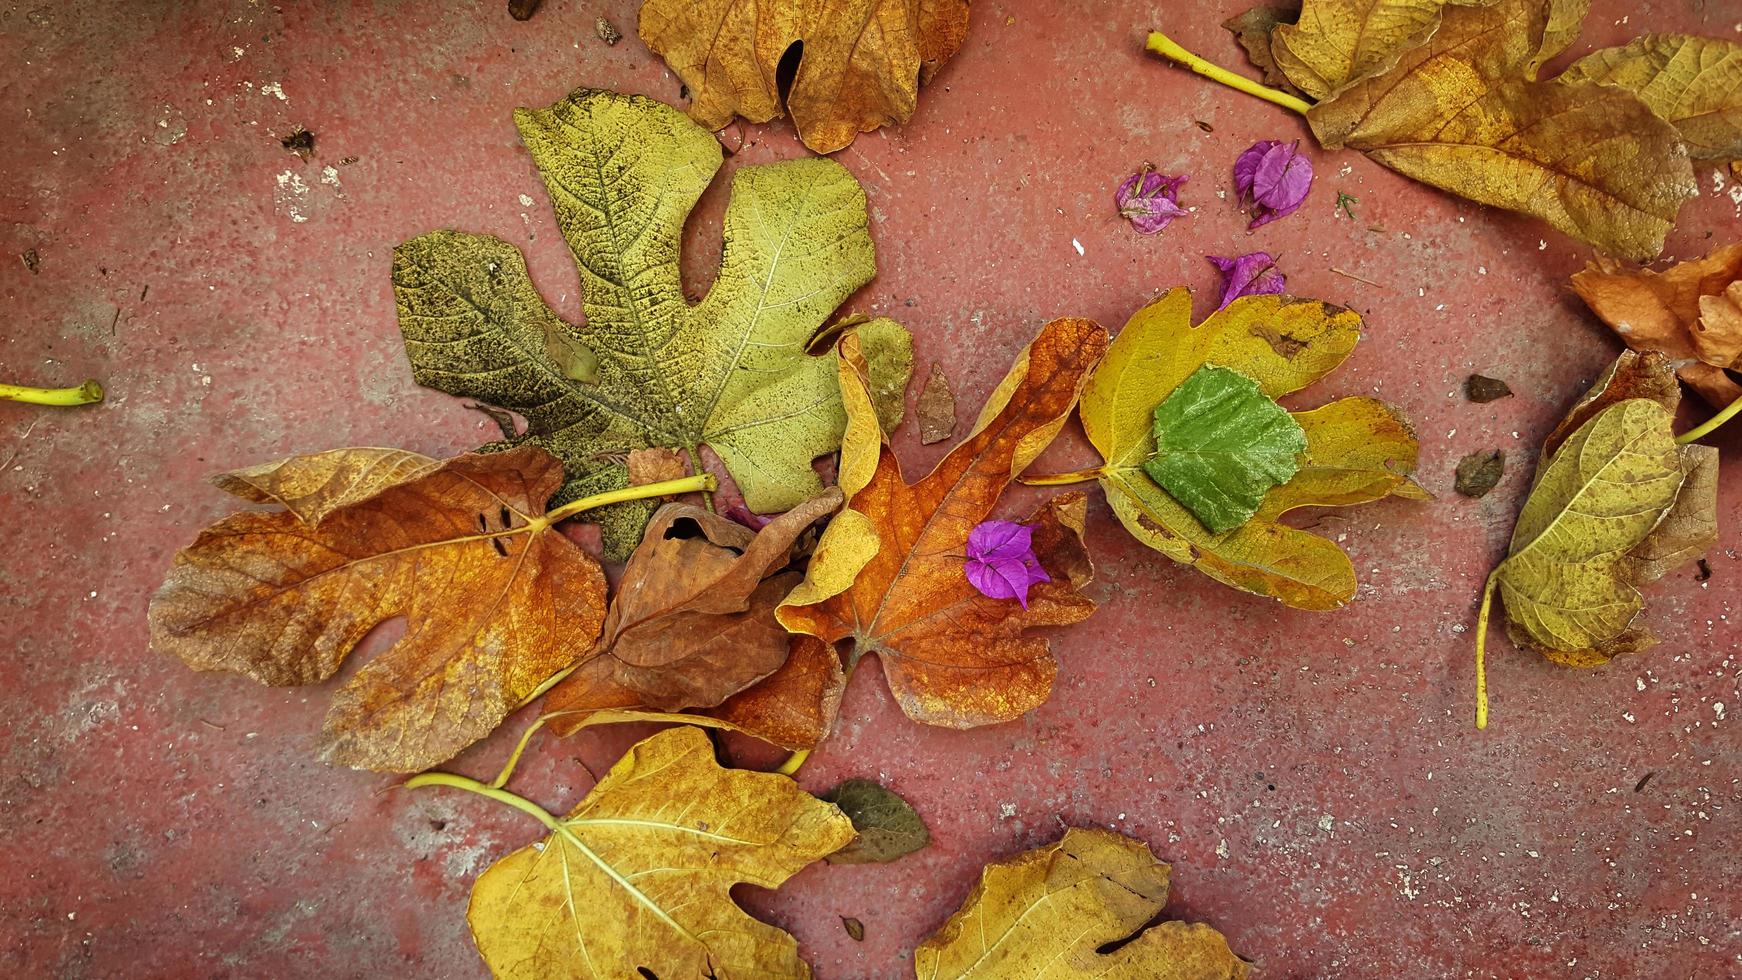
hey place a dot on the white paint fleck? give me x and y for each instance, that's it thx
(275, 90)
(1222, 849)
(526, 200)
(1077, 245)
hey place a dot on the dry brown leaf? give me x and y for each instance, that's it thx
(1254, 29)
(1046, 914)
(888, 573)
(635, 882)
(495, 600)
(860, 62)
(1461, 112)
(693, 620)
(655, 465)
(314, 485)
(937, 408)
(1691, 311)
(1693, 82)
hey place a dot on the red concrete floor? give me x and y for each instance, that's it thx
(1314, 778)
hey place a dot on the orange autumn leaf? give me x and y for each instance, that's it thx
(888, 573)
(859, 62)
(495, 601)
(1691, 311)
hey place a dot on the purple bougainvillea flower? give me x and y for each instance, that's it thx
(1273, 178)
(1149, 200)
(1001, 562)
(1249, 275)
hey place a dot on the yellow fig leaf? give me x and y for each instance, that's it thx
(1615, 505)
(636, 881)
(1461, 112)
(1358, 450)
(1693, 82)
(855, 64)
(1044, 914)
(1336, 42)
(648, 368)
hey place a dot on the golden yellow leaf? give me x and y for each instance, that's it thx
(1461, 112)
(1043, 915)
(1693, 82)
(1358, 449)
(1615, 505)
(888, 572)
(1691, 312)
(859, 62)
(636, 881)
(316, 484)
(495, 600)
(1335, 42)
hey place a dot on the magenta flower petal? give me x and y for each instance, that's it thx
(1273, 178)
(1150, 201)
(1001, 562)
(1254, 274)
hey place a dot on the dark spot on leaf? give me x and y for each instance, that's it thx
(1637, 787)
(646, 974)
(1286, 347)
(501, 548)
(1481, 388)
(507, 518)
(483, 523)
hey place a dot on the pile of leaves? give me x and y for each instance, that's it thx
(1449, 93)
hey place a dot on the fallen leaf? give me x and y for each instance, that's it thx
(314, 485)
(1254, 30)
(888, 572)
(1046, 914)
(887, 825)
(1221, 444)
(655, 466)
(1273, 179)
(1000, 561)
(1253, 274)
(937, 408)
(1336, 42)
(1480, 472)
(636, 881)
(693, 620)
(1482, 389)
(859, 62)
(1614, 506)
(1692, 312)
(1150, 201)
(1462, 112)
(730, 371)
(1358, 449)
(1695, 83)
(854, 927)
(1633, 375)
(495, 600)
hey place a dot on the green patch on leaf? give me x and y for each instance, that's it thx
(648, 368)
(1221, 443)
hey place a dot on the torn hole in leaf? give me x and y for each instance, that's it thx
(1116, 945)
(646, 974)
(378, 640)
(787, 70)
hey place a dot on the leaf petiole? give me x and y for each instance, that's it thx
(1710, 425)
(88, 393)
(1168, 48)
(703, 482)
(1482, 648)
(515, 800)
(1063, 479)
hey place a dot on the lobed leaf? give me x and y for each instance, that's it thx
(1694, 83)
(636, 881)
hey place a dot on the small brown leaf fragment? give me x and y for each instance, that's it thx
(1481, 389)
(32, 261)
(854, 927)
(523, 9)
(888, 827)
(300, 142)
(1480, 472)
(656, 465)
(1633, 375)
(1253, 29)
(1705, 568)
(937, 408)
(607, 32)
(1692, 312)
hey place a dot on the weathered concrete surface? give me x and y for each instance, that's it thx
(1314, 778)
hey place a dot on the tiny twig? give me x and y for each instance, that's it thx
(1351, 275)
